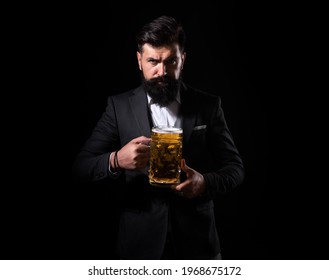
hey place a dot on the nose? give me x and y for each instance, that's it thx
(162, 70)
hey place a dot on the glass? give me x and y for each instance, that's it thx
(165, 156)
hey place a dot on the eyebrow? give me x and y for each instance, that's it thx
(168, 58)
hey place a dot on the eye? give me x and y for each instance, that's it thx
(172, 61)
(152, 61)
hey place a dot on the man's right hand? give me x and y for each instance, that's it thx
(135, 154)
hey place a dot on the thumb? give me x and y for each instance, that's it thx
(185, 168)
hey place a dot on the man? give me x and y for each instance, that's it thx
(157, 223)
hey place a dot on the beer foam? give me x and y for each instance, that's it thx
(167, 130)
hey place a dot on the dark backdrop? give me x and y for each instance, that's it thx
(68, 59)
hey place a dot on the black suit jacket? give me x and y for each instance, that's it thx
(149, 213)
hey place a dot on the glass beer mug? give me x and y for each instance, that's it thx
(165, 156)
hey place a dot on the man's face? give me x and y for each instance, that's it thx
(158, 62)
(161, 68)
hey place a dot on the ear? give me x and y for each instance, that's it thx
(183, 60)
(139, 59)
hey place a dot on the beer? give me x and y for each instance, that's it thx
(165, 156)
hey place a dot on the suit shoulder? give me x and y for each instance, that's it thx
(203, 95)
(126, 94)
(121, 95)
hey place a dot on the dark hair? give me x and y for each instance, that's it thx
(162, 31)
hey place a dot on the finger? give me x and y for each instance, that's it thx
(144, 157)
(142, 148)
(181, 186)
(141, 139)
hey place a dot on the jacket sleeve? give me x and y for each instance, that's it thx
(92, 162)
(229, 169)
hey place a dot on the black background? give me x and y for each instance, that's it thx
(65, 60)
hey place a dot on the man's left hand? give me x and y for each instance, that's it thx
(194, 185)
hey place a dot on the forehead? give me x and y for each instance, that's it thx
(163, 51)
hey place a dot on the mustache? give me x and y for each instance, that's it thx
(163, 79)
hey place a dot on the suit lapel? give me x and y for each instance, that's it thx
(140, 110)
(138, 104)
(188, 111)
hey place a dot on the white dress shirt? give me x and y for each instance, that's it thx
(166, 116)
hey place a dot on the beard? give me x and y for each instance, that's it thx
(162, 90)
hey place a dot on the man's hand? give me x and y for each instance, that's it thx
(194, 185)
(135, 154)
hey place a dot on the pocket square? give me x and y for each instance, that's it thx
(200, 127)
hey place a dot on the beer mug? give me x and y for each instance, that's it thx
(165, 156)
